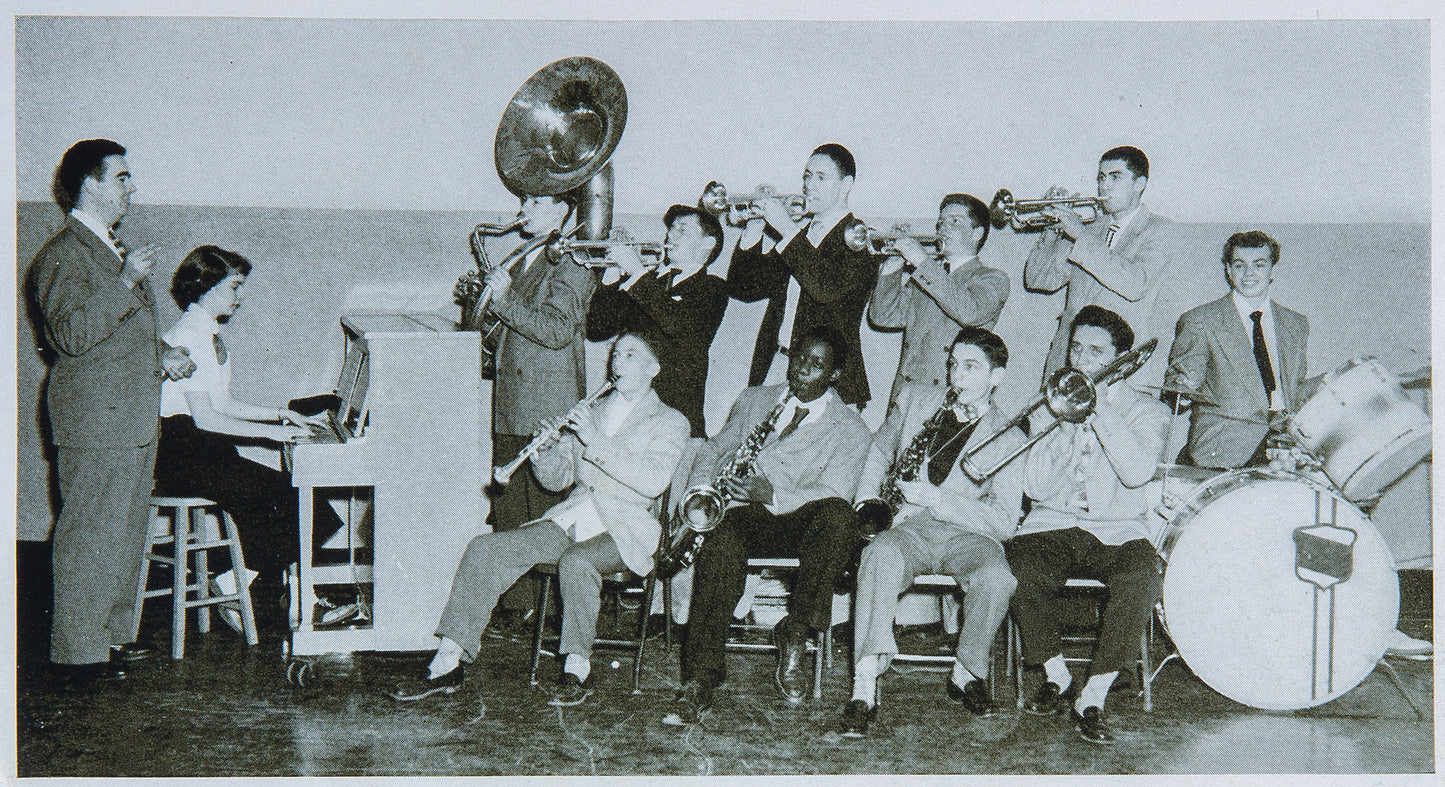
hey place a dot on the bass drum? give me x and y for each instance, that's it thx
(1278, 592)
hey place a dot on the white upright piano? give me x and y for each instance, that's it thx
(405, 470)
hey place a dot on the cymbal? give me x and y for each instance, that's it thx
(1193, 396)
(561, 127)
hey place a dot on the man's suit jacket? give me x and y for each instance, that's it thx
(688, 315)
(622, 475)
(105, 386)
(991, 508)
(541, 355)
(930, 311)
(1212, 351)
(1124, 279)
(835, 282)
(819, 460)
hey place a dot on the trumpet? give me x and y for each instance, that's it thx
(739, 210)
(591, 253)
(861, 237)
(504, 473)
(1070, 395)
(1026, 214)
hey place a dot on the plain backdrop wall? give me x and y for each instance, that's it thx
(349, 159)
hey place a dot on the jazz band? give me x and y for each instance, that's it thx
(1007, 505)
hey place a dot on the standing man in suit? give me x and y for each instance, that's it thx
(104, 401)
(1243, 351)
(949, 291)
(1088, 520)
(943, 521)
(1118, 262)
(616, 458)
(810, 448)
(679, 298)
(810, 276)
(541, 356)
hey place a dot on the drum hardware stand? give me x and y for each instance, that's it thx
(1324, 557)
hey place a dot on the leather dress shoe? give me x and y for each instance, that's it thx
(571, 690)
(1050, 699)
(85, 676)
(856, 716)
(692, 703)
(974, 696)
(1092, 727)
(791, 679)
(424, 687)
(130, 651)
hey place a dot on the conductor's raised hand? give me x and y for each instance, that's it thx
(138, 264)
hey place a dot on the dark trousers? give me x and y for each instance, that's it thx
(1042, 561)
(521, 501)
(820, 534)
(191, 462)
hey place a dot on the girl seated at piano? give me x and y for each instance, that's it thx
(201, 424)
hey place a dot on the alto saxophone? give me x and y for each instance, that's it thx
(703, 506)
(876, 514)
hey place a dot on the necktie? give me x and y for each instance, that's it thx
(119, 247)
(798, 415)
(220, 349)
(1110, 233)
(1261, 355)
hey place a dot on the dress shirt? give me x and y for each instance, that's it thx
(815, 408)
(1266, 322)
(98, 227)
(196, 331)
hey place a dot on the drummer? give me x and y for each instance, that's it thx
(1245, 355)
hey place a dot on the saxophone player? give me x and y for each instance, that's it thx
(616, 458)
(793, 503)
(945, 522)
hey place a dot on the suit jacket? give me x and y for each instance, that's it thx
(819, 460)
(991, 508)
(930, 309)
(541, 355)
(105, 386)
(1125, 279)
(1214, 354)
(835, 281)
(1128, 435)
(688, 315)
(622, 475)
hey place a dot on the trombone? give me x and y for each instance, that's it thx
(861, 237)
(740, 209)
(1070, 396)
(1027, 214)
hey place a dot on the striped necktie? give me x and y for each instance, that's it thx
(116, 244)
(1110, 234)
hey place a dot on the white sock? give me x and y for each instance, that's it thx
(1095, 692)
(1057, 672)
(447, 657)
(865, 680)
(961, 676)
(577, 665)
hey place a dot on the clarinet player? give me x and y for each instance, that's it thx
(945, 522)
(808, 448)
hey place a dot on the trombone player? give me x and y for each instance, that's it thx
(1119, 261)
(949, 290)
(945, 521)
(1089, 520)
(616, 457)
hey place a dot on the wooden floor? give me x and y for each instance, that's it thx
(228, 710)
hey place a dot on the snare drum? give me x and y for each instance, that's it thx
(1365, 429)
(1278, 592)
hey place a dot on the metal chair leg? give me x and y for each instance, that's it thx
(649, 586)
(544, 591)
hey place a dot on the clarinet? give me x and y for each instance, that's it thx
(709, 501)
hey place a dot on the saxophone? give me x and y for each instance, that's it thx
(703, 506)
(876, 514)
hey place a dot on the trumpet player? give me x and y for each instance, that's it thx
(1119, 261)
(616, 457)
(943, 521)
(1088, 520)
(807, 273)
(810, 448)
(541, 304)
(931, 296)
(679, 298)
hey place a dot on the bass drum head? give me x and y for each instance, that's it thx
(1245, 622)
